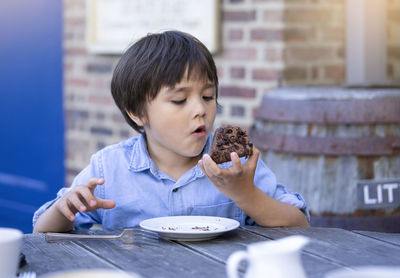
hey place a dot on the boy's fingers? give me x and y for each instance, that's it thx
(65, 210)
(236, 164)
(105, 204)
(201, 165)
(210, 166)
(93, 182)
(76, 203)
(253, 159)
(87, 192)
(88, 196)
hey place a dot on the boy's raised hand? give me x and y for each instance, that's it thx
(81, 198)
(236, 181)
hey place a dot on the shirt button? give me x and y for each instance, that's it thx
(175, 190)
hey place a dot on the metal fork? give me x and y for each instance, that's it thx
(28, 274)
(127, 236)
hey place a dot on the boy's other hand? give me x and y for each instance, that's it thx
(235, 182)
(81, 198)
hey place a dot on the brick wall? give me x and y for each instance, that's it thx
(251, 59)
(265, 43)
(314, 43)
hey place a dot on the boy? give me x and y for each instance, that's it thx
(166, 87)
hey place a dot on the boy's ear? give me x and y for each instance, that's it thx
(136, 119)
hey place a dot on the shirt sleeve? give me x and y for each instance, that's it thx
(265, 179)
(293, 198)
(82, 220)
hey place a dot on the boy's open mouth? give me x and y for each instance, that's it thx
(200, 131)
(201, 128)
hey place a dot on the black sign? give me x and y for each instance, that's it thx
(378, 194)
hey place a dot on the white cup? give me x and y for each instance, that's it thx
(10, 246)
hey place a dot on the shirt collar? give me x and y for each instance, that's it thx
(140, 159)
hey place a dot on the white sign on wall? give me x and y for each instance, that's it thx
(373, 194)
(114, 25)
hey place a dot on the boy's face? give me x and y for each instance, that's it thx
(180, 118)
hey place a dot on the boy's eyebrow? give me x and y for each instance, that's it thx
(209, 85)
(183, 88)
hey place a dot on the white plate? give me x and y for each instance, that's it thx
(367, 272)
(189, 228)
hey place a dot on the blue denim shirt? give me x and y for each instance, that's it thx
(141, 191)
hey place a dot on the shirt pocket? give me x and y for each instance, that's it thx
(228, 210)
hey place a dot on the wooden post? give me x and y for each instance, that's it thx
(366, 60)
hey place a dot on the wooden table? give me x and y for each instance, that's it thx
(151, 256)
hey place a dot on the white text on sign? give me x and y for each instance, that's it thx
(378, 194)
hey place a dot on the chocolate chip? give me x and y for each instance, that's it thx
(227, 156)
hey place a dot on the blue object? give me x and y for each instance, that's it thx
(31, 118)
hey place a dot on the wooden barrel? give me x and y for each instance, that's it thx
(321, 141)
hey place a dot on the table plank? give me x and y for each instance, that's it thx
(393, 238)
(43, 257)
(151, 256)
(340, 246)
(222, 247)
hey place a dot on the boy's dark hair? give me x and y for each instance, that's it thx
(155, 61)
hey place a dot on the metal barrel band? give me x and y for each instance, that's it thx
(360, 146)
(353, 111)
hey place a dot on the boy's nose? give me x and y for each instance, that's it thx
(199, 108)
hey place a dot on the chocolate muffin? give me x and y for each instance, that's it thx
(230, 139)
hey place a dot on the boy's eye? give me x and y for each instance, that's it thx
(208, 98)
(181, 101)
